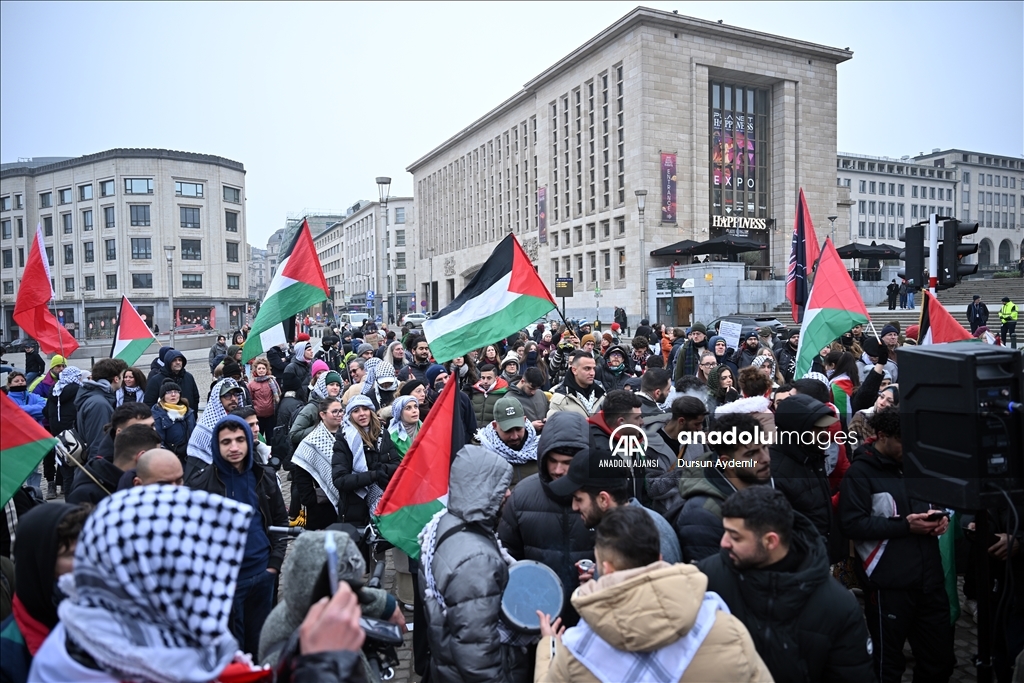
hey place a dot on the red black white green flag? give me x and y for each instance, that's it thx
(23, 444)
(937, 325)
(132, 335)
(503, 297)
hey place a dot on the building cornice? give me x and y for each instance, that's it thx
(637, 17)
(122, 153)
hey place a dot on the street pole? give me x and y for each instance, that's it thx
(933, 253)
(169, 252)
(383, 185)
(832, 220)
(641, 202)
(430, 285)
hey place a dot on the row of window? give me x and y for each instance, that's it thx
(566, 238)
(139, 216)
(132, 186)
(1003, 199)
(597, 263)
(139, 281)
(992, 181)
(142, 249)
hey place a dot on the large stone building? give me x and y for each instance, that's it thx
(366, 256)
(107, 219)
(991, 189)
(720, 125)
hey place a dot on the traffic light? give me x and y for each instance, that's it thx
(951, 266)
(913, 254)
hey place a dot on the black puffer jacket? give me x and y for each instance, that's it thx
(183, 379)
(538, 525)
(799, 471)
(381, 462)
(909, 560)
(699, 523)
(85, 489)
(804, 624)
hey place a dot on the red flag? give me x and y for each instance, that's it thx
(937, 325)
(34, 294)
(803, 256)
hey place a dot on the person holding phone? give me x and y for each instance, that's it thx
(900, 565)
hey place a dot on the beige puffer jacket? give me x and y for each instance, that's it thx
(646, 609)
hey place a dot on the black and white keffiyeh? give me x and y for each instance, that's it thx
(154, 578)
(69, 375)
(136, 392)
(490, 440)
(314, 455)
(202, 436)
(372, 493)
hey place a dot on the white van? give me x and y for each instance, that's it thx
(353, 319)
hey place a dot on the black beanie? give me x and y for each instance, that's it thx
(168, 385)
(231, 368)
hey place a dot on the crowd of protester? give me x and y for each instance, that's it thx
(708, 559)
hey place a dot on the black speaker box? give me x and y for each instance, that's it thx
(960, 441)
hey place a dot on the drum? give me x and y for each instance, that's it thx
(531, 586)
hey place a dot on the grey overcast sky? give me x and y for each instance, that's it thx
(317, 99)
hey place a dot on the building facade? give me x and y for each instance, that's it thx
(991, 192)
(886, 195)
(258, 274)
(720, 125)
(107, 220)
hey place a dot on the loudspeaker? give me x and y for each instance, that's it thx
(962, 434)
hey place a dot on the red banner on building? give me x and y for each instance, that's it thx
(542, 214)
(668, 187)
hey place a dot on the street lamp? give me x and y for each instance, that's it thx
(169, 252)
(641, 203)
(383, 185)
(832, 220)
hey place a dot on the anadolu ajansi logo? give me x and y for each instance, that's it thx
(628, 442)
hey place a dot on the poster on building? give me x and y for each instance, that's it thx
(668, 187)
(542, 215)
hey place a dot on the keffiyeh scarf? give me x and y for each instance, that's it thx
(153, 583)
(397, 427)
(314, 455)
(372, 493)
(202, 436)
(69, 375)
(490, 440)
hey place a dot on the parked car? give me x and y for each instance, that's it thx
(749, 323)
(18, 345)
(193, 328)
(415, 319)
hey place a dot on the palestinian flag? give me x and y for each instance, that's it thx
(833, 308)
(504, 296)
(937, 325)
(419, 488)
(132, 335)
(23, 444)
(298, 284)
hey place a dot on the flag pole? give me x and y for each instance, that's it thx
(60, 337)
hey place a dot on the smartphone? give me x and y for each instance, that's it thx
(936, 516)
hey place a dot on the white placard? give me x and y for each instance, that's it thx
(731, 332)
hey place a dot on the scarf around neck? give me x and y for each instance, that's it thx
(175, 411)
(152, 587)
(202, 436)
(372, 493)
(489, 439)
(134, 391)
(397, 427)
(314, 455)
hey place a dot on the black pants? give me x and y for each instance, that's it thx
(892, 301)
(1006, 330)
(920, 617)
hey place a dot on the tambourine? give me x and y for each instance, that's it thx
(531, 586)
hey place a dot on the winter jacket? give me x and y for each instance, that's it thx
(157, 363)
(483, 400)
(743, 356)
(908, 561)
(262, 395)
(94, 404)
(306, 421)
(686, 359)
(174, 429)
(66, 403)
(33, 404)
(470, 574)
(865, 395)
(568, 396)
(85, 490)
(977, 314)
(648, 609)
(538, 525)
(298, 373)
(610, 379)
(278, 360)
(217, 353)
(662, 483)
(535, 407)
(272, 511)
(699, 523)
(382, 459)
(864, 366)
(414, 371)
(34, 363)
(805, 624)
(183, 378)
(799, 472)
(787, 361)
